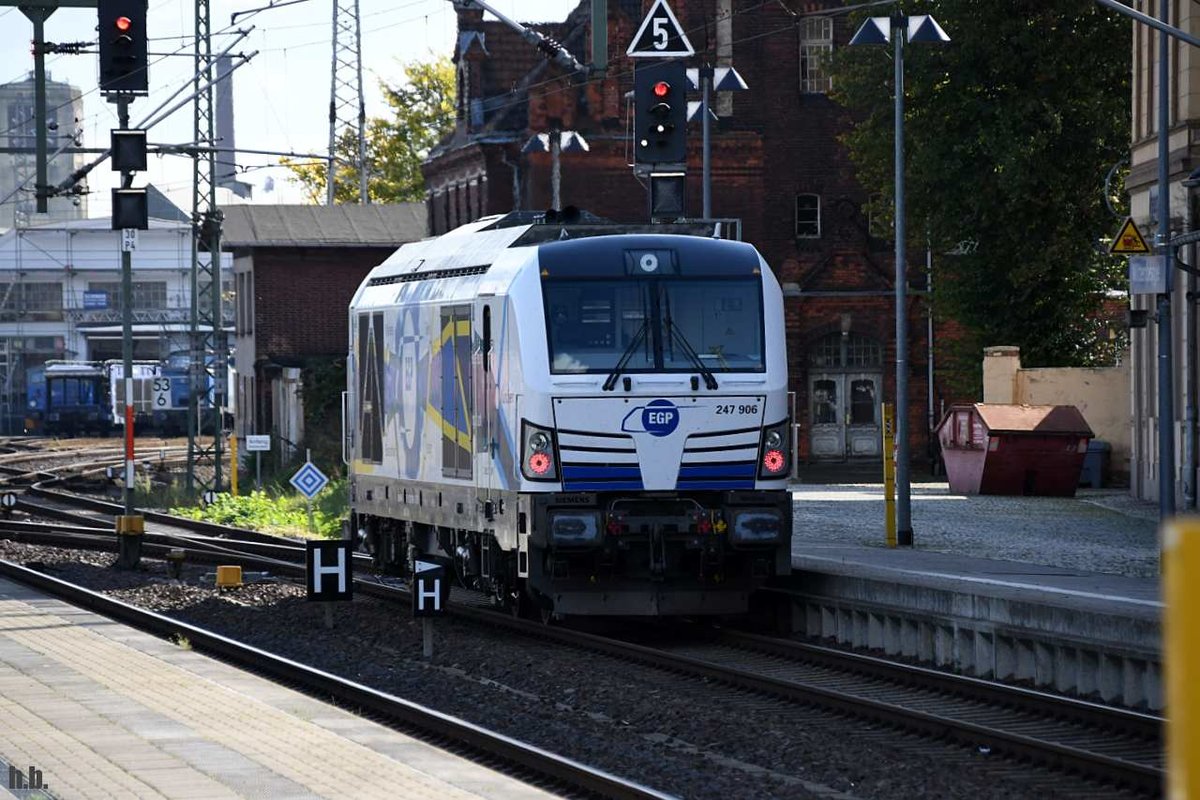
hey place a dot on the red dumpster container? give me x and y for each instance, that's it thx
(994, 448)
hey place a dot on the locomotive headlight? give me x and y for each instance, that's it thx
(539, 461)
(774, 452)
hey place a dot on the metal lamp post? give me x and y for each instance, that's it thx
(555, 143)
(922, 29)
(707, 80)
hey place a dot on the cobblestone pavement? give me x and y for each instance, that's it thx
(1098, 530)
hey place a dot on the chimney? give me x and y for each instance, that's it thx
(226, 162)
(470, 16)
(1000, 368)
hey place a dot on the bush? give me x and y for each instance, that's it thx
(283, 514)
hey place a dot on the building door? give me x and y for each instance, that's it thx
(845, 380)
(827, 428)
(862, 418)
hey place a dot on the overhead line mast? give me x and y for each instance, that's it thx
(347, 107)
(207, 355)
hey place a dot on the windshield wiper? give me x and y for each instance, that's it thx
(611, 381)
(710, 380)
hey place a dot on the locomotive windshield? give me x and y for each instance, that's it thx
(592, 323)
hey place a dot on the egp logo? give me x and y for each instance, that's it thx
(657, 418)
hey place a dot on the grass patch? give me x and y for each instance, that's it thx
(273, 511)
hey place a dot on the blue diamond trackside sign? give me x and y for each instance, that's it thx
(309, 480)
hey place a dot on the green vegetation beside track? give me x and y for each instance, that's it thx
(279, 512)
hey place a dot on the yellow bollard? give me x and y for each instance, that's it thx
(1181, 565)
(233, 463)
(889, 470)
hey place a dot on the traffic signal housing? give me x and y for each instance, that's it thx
(130, 209)
(123, 54)
(660, 113)
(128, 150)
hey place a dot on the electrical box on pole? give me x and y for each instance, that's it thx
(660, 113)
(122, 44)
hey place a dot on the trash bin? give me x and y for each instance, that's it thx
(1095, 464)
(993, 448)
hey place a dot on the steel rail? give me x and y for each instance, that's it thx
(526, 757)
(1140, 776)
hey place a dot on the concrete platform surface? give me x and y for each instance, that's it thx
(100, 710)
(1060, 592)
(1098, 530)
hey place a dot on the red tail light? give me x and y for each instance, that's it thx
(539, 463)
(773, 460)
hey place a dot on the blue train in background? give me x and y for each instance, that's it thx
(75, 398)
(68, 398)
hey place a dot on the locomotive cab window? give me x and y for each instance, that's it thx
(669, 324)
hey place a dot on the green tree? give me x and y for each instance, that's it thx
(1010, 132)
(422, 113)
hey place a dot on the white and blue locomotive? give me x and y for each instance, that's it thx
(573, 418)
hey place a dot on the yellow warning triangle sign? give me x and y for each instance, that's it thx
(1128, 241)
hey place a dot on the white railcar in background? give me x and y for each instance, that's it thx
(579, 419)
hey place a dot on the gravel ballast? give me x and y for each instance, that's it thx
(681, 736)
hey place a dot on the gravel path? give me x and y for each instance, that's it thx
(685, 737)
(1098, 530)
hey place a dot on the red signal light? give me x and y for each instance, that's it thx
(124, 24)
(662, 89)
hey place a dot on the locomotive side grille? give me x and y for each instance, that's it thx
(598, 461)
(720, 460)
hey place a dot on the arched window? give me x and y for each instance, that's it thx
(845, 351)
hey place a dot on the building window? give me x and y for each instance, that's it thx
(146, 294)
(31, 301)
(808, 216)
(21, 130)
(244, 319)
(816, 46)
(879, 217)
(845, 351)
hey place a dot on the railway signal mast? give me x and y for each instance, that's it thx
(660, 110)
(124, 76)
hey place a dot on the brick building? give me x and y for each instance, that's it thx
(776, 164)
(295, 270)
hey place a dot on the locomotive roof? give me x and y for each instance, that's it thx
(73, 369)
(479, 244)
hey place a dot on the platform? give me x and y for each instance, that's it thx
(1062, 593)
(100, 710)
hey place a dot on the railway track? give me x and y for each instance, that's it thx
(1111, 746)
(528, 762)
